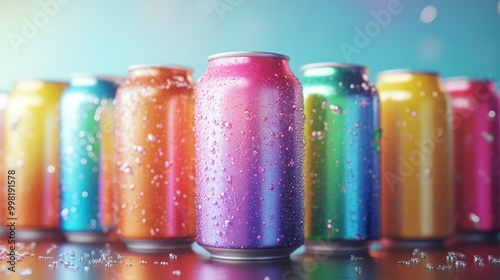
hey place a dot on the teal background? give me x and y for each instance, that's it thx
(105, 37)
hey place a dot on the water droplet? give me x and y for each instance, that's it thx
(262, 170)
(85, 194)
(228, 125)
(335, 109)
(492, 114)
(271, 187)
(26, 272)
(248, 115)
(317, 135)
(488, 136)
(259, 237)
(474, 218)
(176, 272)
(51, 169)
(323, 104)
(151, 138)
(358, 269)
(126, 168)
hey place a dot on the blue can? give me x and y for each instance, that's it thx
(86, 158)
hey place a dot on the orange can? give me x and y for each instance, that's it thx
(417, 156)
(154, 119)
(31, 159)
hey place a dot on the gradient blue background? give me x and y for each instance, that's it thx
(105, 37)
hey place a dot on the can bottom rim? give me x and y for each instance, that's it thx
(157, 245)
(337, 247)
(477, 237)
(87, 237)
(249, 254)
(398, 243)
(38, 234)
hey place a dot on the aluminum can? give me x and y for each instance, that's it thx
(249, 126)
(417, 157)
(31, 151)
(342, 160)
(154, 119)
(86, 158)
(476, 127)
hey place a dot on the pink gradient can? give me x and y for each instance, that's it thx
(249, 125)
(476, 128)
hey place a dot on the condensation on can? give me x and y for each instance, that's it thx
(476, 127)
(31, 150)
(86, 157)
(249, 157)
(154, 122)
(417, 156)
(342, 162)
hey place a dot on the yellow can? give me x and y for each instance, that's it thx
(417, 156)
(31, 158)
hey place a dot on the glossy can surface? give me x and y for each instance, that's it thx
(249, 157)
(476, 126)
(154, 121)
(417, 153)
(86, 156)
(342, 162)
(31, 149)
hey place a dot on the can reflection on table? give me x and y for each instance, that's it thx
(476, 125)
(342, 162)
(31, 150)
(86, 156)
(249, 157)
(417, 151)
(155, 158)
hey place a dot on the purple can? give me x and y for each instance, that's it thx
(249, 126)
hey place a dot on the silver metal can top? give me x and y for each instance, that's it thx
(407, 71)
(331, 65)
(249, 53)
(160, 66)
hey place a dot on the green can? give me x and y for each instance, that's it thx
(342, 161)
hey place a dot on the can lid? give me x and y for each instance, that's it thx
(109, 78)
(161, 66)
(467, 79)
(408, 71)
(331, 65)
(249, 53)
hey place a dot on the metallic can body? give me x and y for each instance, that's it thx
(154, 119)
(249, 157)
(342, 162)
(417, 156)
(31, 148)
(86, 156)
(476, 127)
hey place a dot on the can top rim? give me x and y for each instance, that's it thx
(330, 65)
(48, 81)
(249, 53)
(466, 79)
(162, 66)
(407, 71)
(96, 76)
